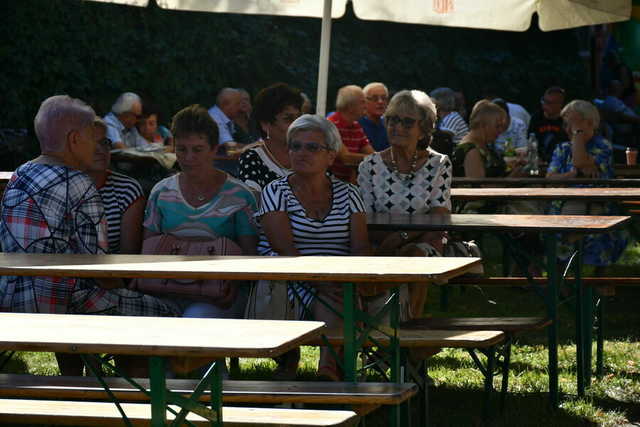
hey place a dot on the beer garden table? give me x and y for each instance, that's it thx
(347, 269)
(549, 226)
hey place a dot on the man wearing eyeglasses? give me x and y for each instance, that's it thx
(376, 100)
(350, 106)
(121, 122)
(546, 124)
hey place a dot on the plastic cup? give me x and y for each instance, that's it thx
(632, 156)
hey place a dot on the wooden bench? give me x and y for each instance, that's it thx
(485, 341)
(604, 286)
(363, 397)
(19, 411)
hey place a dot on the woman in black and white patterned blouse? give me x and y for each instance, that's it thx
(275, 108)
(409, 178)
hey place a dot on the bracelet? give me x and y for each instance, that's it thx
(404, 235)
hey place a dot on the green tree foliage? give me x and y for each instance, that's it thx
(95, 51)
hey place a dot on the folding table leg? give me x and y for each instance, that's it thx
(600, 345)
(552, 312)
(158, 386)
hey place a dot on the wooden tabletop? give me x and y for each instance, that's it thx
(308, 268)
(481, 222)
(584, 193)
(547, 182)
(158, 336)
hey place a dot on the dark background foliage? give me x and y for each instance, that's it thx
(95, 51)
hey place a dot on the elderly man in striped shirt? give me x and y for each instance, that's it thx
(449, 119)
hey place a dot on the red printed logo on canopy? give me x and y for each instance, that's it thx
(443, 6)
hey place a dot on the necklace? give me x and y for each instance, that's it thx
(412, 169)
(273, 157)
(200, 198)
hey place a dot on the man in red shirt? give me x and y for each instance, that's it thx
(350, 106)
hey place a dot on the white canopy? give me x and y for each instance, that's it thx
(510, 15)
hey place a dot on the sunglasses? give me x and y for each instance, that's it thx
(406, 122)
(312, 147)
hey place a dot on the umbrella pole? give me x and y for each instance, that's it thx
(323, 66)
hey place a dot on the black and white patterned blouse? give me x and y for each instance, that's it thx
(385, 190)
(257, 168)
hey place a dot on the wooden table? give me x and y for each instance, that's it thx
(157, 338)
(540, 181)
(627, 171)
(549, 226)
(346, 269)
(589, 194)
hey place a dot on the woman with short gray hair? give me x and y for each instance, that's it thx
(312, 213)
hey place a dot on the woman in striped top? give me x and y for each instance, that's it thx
(311, 213)
(122, 198)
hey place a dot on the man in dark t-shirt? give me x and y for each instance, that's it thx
(546, 124)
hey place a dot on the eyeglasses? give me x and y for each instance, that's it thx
(376, 98)
(312, 147)
(406, 122)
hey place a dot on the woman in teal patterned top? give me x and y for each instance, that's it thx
(590, 156)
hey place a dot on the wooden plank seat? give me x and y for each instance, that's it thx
(541, 281)
(364, 397)
(508, 325)
(411, 338)
(76, 413)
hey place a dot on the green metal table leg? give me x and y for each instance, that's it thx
(550, 240)
(600, 345)
(580, 323)
(588, 333)
(488, 384)
(158, 387)
(350, 350)
(216, 392)
(394, 323)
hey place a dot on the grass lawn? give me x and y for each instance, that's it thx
(456, 398)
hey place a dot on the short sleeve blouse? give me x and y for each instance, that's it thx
(385, 190)
(328, 236)
(228, 214)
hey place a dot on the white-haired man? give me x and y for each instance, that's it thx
(228, 105)
(51, 206)
(121, 122)
(377, 97)
(350, 106)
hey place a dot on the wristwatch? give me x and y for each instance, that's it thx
(404, 235)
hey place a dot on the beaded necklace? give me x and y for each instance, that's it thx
(412, 170)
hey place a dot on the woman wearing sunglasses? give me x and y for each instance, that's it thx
(312, 213)
(408, 178)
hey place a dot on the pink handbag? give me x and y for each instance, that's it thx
(218, 292)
